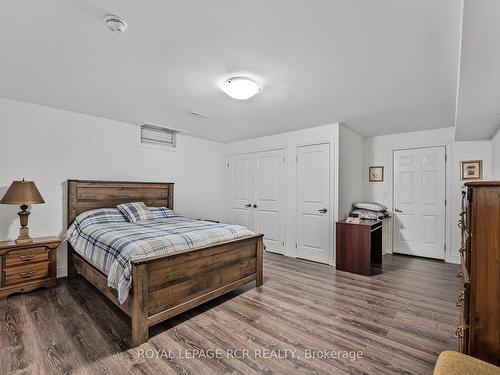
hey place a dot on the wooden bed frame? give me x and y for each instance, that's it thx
(167, 285)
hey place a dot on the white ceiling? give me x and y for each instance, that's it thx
(384, 66)
(478, 109)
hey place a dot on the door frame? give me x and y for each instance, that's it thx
(447, 182)
(284, 190)
(332, 217)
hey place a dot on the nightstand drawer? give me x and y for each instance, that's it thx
(17, 275)
(26, 256)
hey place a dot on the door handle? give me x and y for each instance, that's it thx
(323, 210)
(397, 210)
(255, 206)
(248, 205)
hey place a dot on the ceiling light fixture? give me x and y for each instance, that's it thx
(115, 23)
(241, 88)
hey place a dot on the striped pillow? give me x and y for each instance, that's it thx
(136, 211)
(163, 212)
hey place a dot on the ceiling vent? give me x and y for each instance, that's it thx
(198, 115)
(115, 24)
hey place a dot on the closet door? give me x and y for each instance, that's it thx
(241, 189)
(313, 202)
(268, 199)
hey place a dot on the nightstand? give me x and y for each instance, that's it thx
(26, 267)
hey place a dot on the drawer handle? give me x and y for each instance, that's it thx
(463, 226)
(27, 274)
(459, 332)
(26, 258)
(460, 298)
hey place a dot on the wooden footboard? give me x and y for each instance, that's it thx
(168, 285)
(163, 287)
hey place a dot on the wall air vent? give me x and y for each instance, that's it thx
(158, 135)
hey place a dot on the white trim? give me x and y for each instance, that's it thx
(255, 151)
(61, 272)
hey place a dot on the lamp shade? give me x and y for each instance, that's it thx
(22, 192)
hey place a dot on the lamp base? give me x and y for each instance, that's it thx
(24, 236)
(24, 241)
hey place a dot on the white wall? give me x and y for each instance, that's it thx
(495, 155)
(289, 142)
(351, 169)
(50, 146)
(379, 151)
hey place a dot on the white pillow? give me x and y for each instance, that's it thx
(372, 206)
(367, 214)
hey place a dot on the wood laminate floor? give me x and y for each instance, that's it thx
(400, 320)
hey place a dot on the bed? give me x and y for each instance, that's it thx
(166, 285)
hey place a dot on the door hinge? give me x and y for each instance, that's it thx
(283, 159)
(283, 243)
(296, 246)
(297, 158)
(445, 157)
(445, 248)
(445, 202)
(228, 165)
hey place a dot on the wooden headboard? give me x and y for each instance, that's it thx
(84, 195)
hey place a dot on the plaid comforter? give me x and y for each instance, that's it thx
(109, 242)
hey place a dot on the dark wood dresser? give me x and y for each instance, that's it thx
(359, 247)
(479, 298)
(26, 267)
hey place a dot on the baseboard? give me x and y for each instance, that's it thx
(62, 272)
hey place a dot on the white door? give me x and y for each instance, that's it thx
(419, 202)
(240, 190)
(257, 195)
(268, 199)
(313, 202)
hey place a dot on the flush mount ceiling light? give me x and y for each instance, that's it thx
(241, 88)
(115, 24)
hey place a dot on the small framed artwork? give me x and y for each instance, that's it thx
(471, 169)
(376, 173)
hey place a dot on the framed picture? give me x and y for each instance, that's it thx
(471, 169)
(376, 173)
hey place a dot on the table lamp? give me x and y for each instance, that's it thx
(23, 193)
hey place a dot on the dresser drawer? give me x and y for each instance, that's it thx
(16, 258)
(22, 274)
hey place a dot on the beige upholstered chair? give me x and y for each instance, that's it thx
(453, 363)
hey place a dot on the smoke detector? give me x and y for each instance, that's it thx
(115, 24)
